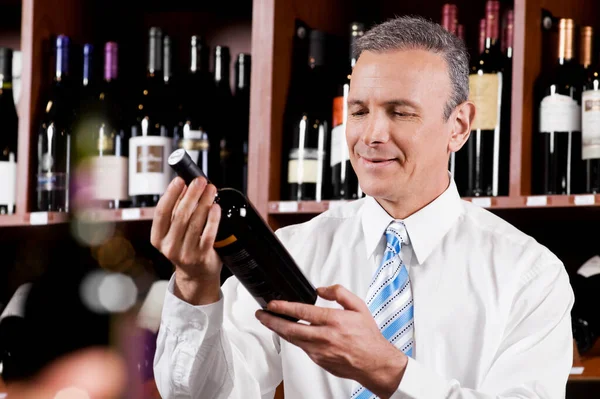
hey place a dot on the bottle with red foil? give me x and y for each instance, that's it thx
(486, 83)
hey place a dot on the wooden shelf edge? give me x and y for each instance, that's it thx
(516, 202)
(97, 215)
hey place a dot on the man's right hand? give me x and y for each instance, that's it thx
(184, 229)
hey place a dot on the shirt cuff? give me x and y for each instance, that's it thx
(418, 382)
(185, 319)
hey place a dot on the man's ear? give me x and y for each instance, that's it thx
(462, 119)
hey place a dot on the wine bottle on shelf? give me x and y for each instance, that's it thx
(150, 143)
(293, 104)
(343, 178)
(193, 128)
(109, 160)
(247, 246)
(8, 137)
(482, 35)
(450, 18)
(307, 157)
(560, 120)
(243, 66)
(590, 115)
(54, 135)
(170, 99)
(506, 103)
(460, 32)
(486, 83)
(231, 147)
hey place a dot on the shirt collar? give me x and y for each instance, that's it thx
(425, 227)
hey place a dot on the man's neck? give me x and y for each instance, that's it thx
(410, 203)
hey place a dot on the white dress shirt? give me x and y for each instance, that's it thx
(491, 312)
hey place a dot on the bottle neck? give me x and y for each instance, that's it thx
(565, 43)
(155, 58)
(167, 66)
(62, 64)
(6, 73)
(222, 68)
(111, 62)
(242, 73)
(199, 57)
(87, 67)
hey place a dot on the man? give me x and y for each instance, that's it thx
(422, 295)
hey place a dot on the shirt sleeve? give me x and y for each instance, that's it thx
(216, 351)
(535, 356)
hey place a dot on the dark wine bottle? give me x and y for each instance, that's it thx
(54, 136)
(590, 114)
(9, 136)
(192, 130)
(486, 83)
(109, 158)
(150, 143)
(243, 66)
(248, 247)
(560, 120)
(343, 178)
(307, 160)
(506, 103)
(231, 158)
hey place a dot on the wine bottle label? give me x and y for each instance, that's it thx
(590, 124)
(8, 183)
(245, 268)
(149, 172)
(109, 177)
(303, 166)
(559, 113)
(486, 93)
(339, 148)
(51, 181)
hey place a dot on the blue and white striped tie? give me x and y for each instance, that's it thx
(389, 298)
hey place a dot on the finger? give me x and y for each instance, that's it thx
(343, 296)
(184, 212)
(310, 313)
(198, 220)
(91, 373)
(163, 211)
(178, 201)
(294, 333)
(209, 235)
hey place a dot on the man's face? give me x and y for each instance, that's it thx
(397, 135)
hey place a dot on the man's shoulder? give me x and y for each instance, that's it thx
(327, 222)
(503, 234)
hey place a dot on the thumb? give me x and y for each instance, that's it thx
(343, 296)
(91, 374)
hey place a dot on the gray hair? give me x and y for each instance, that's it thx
(404, 33)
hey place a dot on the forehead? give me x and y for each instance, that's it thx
(413, 73)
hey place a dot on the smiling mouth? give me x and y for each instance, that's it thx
(376, 162)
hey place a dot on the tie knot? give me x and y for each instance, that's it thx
(396, 232)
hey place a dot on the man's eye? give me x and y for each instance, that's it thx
(404, 114)
(359, 113)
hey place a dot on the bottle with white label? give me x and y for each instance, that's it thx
(9, 123)
(590, 117)
(307, 159)
(486, 85)
(560, 121)
(150, 144)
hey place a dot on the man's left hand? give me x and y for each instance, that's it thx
(347, 343)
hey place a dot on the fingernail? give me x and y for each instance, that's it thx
(176, 182)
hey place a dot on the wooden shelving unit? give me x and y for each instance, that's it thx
(266, 28)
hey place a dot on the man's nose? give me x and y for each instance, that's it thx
(377, 130)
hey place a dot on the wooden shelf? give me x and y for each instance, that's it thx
(586, 368)
(99, 215)
(520, 202)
